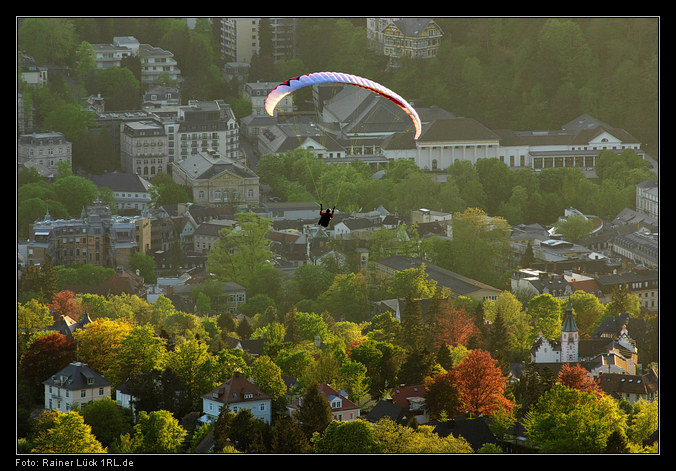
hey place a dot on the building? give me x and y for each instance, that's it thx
(290, 210)
(96, 238)
(641, 282)
(631, 388)
(576, 144)
(257, 92)
(31, 73)
(597, 355)
(131, 191)
(216, 180)
(236, 394)
(241, 41)
(44, 151)
(446, 141)
(202, 126)
(159, 95)
(648, 198)
(143, 147)
(343, 409)
(414, 38)
(458, 284)
(206, 234)
(75, 385)
(155, 62)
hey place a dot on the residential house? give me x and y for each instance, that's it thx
(642, 282)
(460, 285)
(536, 282)
(206, 234)
(216, 180)
(160, 95)
(631, 388)
(130, 191)
(474, 429)
(67, 325)
(355, 228)
(412, 398)
(290, 210)
(75, 385)
(237, 394)
(343, 409)
(639, 247)
(180, 292)
(44, 151)
(386, 409)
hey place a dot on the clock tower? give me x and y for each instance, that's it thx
(569, 337)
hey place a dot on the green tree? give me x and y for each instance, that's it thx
(288, 436)
(157, 432)
(645, 421)
(347, 298)
(107, 419)
(268, 377)
(574, 228)
(545, 312)
(480, 246)
(75, 193)
(59, 432)
(566, 420)
(394, 438)
(145, 265)
(239, 252)
(139, 351)
(355, 436)
(314, 413)
(193, 364)
(412, 281)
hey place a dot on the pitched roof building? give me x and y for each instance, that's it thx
(237, 393)
(76, 384)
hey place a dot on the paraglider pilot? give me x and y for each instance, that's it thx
(325, 216)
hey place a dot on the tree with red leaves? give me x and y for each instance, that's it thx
(480, 384)
(45, 356)
(577, 377)
(64, 304)
(453, 326)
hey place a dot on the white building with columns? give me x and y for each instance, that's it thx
(445, 141)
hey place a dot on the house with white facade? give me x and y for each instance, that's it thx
(236, 394)
(75, 385)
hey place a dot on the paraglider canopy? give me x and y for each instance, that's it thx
(293, 84)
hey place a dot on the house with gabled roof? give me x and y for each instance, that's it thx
(236, 394)
(75, 385)
(343, 409)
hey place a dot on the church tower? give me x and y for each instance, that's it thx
(569, 337)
